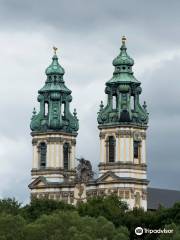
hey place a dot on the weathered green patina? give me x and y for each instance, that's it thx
(54, 98)
(123, 90)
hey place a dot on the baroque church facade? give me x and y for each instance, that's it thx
(122, 123)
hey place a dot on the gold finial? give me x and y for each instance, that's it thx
(55, 49)
(124, 40)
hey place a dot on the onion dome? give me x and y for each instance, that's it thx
(123, 58)
(55, 68)
(54, 98)
(123, 67)
(123, 90)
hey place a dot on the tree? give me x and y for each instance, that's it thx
(9, 206)
(111, 207)
(67, 225)
(174, 236)
(38, 207)
(11, 227)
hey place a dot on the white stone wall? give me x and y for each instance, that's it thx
(54, 156)
(124, 150)
(54, 153)
(124, 153)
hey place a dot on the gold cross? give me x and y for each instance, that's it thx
(55, 49)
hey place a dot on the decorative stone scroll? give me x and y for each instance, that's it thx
(102, 135)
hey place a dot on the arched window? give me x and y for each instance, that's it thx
(111, 143)
(132, 101)
(66, 155)
(43, 150)
(62, 109)
(114, 102)
(46, 108)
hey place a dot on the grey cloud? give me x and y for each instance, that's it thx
(162, 88)
(138, 19)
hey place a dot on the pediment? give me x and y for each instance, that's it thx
(38, 182)
(108, 177)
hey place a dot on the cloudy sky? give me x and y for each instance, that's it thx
(88, 35)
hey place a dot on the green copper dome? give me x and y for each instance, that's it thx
(123, 90)
(55, 67)
(123, 67)
(54, 98)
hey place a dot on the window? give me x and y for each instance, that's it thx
(111, 149)
(46, 109)
(66, 155)
(127, 194)
(62, 109)
(43, 149)
(114, 102)
(121, 194)
(132, 103)
(136, 149)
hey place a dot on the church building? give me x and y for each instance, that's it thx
(122, 124)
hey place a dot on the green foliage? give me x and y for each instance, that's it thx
(9, 206)
(69, 225)
(100, 218)
(110, 207)
(174, 236)
(37, 207)
(11, 227)
(171, 214)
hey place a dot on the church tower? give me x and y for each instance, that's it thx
(123, 124)
(54, 130)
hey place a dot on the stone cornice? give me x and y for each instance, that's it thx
(53, 140)
(130, 125)
(56, 185)
(50, 171)
(124, 133)
(53, 133)
(127, 180)
(122, 165)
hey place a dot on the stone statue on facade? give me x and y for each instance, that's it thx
(84, 171)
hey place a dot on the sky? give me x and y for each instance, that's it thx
(88, 36)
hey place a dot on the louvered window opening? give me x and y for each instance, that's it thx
(111, 149)
(43, 149)
(136, 149)
(66, 156)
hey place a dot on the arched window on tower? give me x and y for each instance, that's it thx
(114, 102)
(111, 144)
(66, 155)
(132, 103)
(42, 150)
(136, 149)
(62, 109)
(46, 108)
